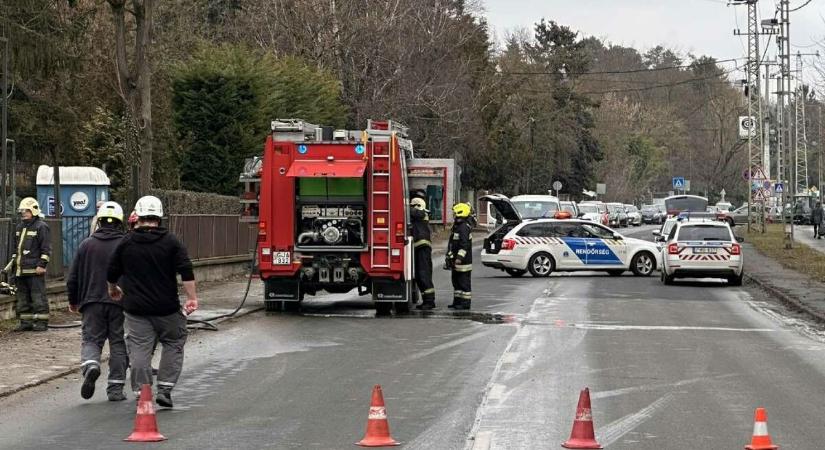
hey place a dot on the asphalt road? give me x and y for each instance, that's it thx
(668, 367)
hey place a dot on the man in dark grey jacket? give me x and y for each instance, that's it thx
(102, 316)
(816, 218)
(142, 272)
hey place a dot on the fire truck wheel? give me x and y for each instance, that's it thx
(383, 308)
(402, 307)
(271, 306)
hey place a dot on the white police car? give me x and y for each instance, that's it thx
(702, 248)
(543, 246)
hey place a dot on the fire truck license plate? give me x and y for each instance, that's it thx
(282, 259)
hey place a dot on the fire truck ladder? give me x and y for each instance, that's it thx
(384, 244)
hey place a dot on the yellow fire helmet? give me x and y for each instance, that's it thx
(462, 210)
(110, 210)
(418, 203)
(30, 204)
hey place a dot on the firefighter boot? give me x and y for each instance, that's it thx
(426, 305)
(164, 398)
(40, 325)
(24, 325)
(90, 375)
(115, 393)
(463, 305)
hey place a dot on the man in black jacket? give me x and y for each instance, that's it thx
(102, 316)
(142, 272)
(423, 251)
(28, 264)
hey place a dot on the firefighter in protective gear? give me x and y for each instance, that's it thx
(102, 316)
(460, 256)
(28, 264)
(423, 262)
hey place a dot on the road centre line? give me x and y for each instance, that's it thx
(474, 431)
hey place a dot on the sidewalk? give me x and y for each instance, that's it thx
(793, 288)
(805, 234)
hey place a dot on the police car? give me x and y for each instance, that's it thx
(542, 246)
(702, 249)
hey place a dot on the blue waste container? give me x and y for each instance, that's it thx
(81, 188)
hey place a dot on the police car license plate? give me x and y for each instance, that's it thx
(282, 259)
(705, 250)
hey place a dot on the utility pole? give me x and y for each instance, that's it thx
(755, 148)
(4, 131)
(801, 138)
(784, 42)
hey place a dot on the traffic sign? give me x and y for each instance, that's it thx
(757, 174)
(557, 186)
(761, 195)
(678, 182)
(779, 188)
(747, 127)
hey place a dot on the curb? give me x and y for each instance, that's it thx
(786, 299)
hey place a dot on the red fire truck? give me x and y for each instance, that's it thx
(332, 215)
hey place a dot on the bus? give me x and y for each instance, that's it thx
(677, 204)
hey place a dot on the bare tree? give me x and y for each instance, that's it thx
(135, 78)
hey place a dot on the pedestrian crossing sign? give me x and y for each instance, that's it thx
(678, 182)
(779, 188)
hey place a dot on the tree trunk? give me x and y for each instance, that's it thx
(135, 83)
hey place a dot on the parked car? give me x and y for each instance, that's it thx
(634, 217)
(617, 216)
(653, 214)
(801, 213)
(594, 211)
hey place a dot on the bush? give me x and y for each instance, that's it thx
(188, 202)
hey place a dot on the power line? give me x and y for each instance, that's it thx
(801, 6)
(619, 72)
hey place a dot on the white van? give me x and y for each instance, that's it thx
(528, 206)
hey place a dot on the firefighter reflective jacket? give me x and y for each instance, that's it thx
(460, 245)
(420, 227)
(34, 247)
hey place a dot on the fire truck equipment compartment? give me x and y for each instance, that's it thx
(327, 169)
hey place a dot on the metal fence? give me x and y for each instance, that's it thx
(213, 236)
(205, 236)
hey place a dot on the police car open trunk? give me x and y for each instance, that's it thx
(510, 216)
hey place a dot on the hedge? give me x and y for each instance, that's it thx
(189, 202)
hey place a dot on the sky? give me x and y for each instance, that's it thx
(701, 27)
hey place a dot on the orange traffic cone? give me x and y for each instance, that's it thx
(378, 428)
(146, 426)
(583, 435)
(761, 440)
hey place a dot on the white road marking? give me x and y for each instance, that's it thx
(595, 326)
(447, 345)
(616, 429)
(510, 358)
(483, 440)
(654, 386)
(497, 391)
(474, 431)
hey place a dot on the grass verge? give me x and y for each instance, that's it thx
(801, 258)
